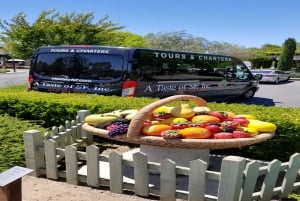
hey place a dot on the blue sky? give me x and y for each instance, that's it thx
(249, 23)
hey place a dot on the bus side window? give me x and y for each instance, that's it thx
(136, 73)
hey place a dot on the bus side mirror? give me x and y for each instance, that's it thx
(258, 76)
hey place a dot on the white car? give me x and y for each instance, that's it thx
(272, 75)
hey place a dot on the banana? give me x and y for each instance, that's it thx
(98, 119)
(111, 114)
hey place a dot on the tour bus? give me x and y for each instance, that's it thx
(138, 72)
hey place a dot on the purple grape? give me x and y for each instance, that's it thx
(118, 130)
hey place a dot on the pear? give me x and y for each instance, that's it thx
(183, 111)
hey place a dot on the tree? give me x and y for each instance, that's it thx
(127, 39)
(176, 41)
(286, 57)
(51, 28)
(264, 56)
(182, 41)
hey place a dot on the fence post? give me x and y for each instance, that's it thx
(197, 180)
(82, 114)
(34, 156)
(231, 178)
(167, 180)
(92, 161)
(71, 165)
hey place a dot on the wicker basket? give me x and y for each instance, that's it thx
(135, 129)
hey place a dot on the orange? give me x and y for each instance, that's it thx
(155, 129)
(195, 133)
(205, 119)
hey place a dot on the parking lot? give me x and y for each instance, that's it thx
(284, 94)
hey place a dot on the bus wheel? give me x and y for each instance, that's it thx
(249, 94)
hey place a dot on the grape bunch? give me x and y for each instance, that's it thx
(115, 122)
(118, 130)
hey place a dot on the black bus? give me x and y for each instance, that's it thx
(138, 72)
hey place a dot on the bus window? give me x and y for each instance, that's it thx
(187, 66)
(88, 66)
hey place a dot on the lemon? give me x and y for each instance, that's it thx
(179, 120)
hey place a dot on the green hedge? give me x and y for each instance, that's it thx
(48, 109)
(11, 138)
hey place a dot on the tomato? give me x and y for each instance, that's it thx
(170, 134)
(195, 133)
(222, 135)
(213, 128)
(161, 115)
(179, 125)
(219, 114)
(155, 129)
(240, 134)
(229, 124)
(202, 125)
(242, 121)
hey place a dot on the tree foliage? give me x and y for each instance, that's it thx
(286, 57)
(20, 37)
(176, 41)
(182, 41)
(263, 57)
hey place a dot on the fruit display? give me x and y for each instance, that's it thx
(181, 125)
(185, 122)
(207, 124)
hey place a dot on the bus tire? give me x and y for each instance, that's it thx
(249, 94)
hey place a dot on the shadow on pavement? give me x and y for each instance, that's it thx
(258, 101)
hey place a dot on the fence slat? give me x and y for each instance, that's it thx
(115, 172)
(251, 175)
(197, 180)
(92, 161)
(62, 136)
(68, 132)
(291, 175)
(82, 114)
(71, 165)
(141, 174)
(270, 180)
(231, 178)
(34, 158)
(51, 159)
(167, 180)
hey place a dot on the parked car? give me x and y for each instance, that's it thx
(272, 75)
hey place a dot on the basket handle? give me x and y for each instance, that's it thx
(136, 124)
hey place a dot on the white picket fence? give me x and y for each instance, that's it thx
(57, 155)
